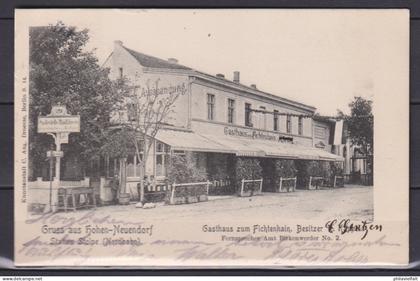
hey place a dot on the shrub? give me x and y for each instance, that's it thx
(336, 168)
(285, 168)
(183, 169)
(248, 169)
(273, 169)
(324, 169)
(306, 169)
(217, 165)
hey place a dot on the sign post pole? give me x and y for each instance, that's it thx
(58, 124)
(57, 173)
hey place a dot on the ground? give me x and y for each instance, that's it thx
(353, 202)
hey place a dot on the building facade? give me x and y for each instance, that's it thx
(217, 118)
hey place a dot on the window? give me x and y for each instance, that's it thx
(320, 132)
(300, 125)
(210, 106)
(263, 118)
(162, 159)
(276, 120)
(121, 72)
(248, 115)
(289, 124)
(134, 166)
(231, 111)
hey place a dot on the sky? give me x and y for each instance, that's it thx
(322, 58)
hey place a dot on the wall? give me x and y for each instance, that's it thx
(144, 78)
(200, 122)
(324, 137)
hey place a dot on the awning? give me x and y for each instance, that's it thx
(190, 141)
(261, 148)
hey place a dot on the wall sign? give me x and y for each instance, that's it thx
(255, 134)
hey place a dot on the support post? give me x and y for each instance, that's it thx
(171, 201)
(207, 187)
(281, 182)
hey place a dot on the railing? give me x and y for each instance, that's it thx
(195, 185)
(250, 181)
(157, 187)
(288, 187)
(340, 180)
(318, 181)
(222, 187)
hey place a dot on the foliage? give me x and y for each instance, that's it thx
(218, 166)
(360, 124)
(325, 169)
(119, 144)
(182, 169)
(248, 169)
(147, 109)
(273, 169)
(61, 71)
(285, 168)
(336, 168)
(308, 169)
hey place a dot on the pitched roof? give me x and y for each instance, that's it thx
(154, 62)
(150, 61)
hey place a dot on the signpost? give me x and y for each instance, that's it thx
(58, 124)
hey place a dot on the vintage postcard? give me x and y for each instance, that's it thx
(211, 138)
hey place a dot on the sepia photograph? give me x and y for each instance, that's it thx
(234, 127)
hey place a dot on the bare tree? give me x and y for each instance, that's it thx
(146, 109)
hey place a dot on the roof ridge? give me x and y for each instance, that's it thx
(142, 58)
(168, 64)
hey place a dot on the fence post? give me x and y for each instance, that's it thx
(207, 187)
(281, 181)
(294, 186)
(242, 187)
(335, 181)
(310, 182)
(172, 194)
(261, 186)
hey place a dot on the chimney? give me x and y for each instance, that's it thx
(118, 43)
(254, 86)
(236, 76)
(173, 60)
(220, 75)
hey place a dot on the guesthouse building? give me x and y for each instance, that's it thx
(218, 120)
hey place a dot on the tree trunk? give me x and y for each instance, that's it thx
(123, 175)
(145, 154)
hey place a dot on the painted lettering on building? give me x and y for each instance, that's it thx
(254, 134)
(178, 89)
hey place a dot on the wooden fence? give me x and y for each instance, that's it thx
(287, 187)
(182, 193)
(244, 181)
